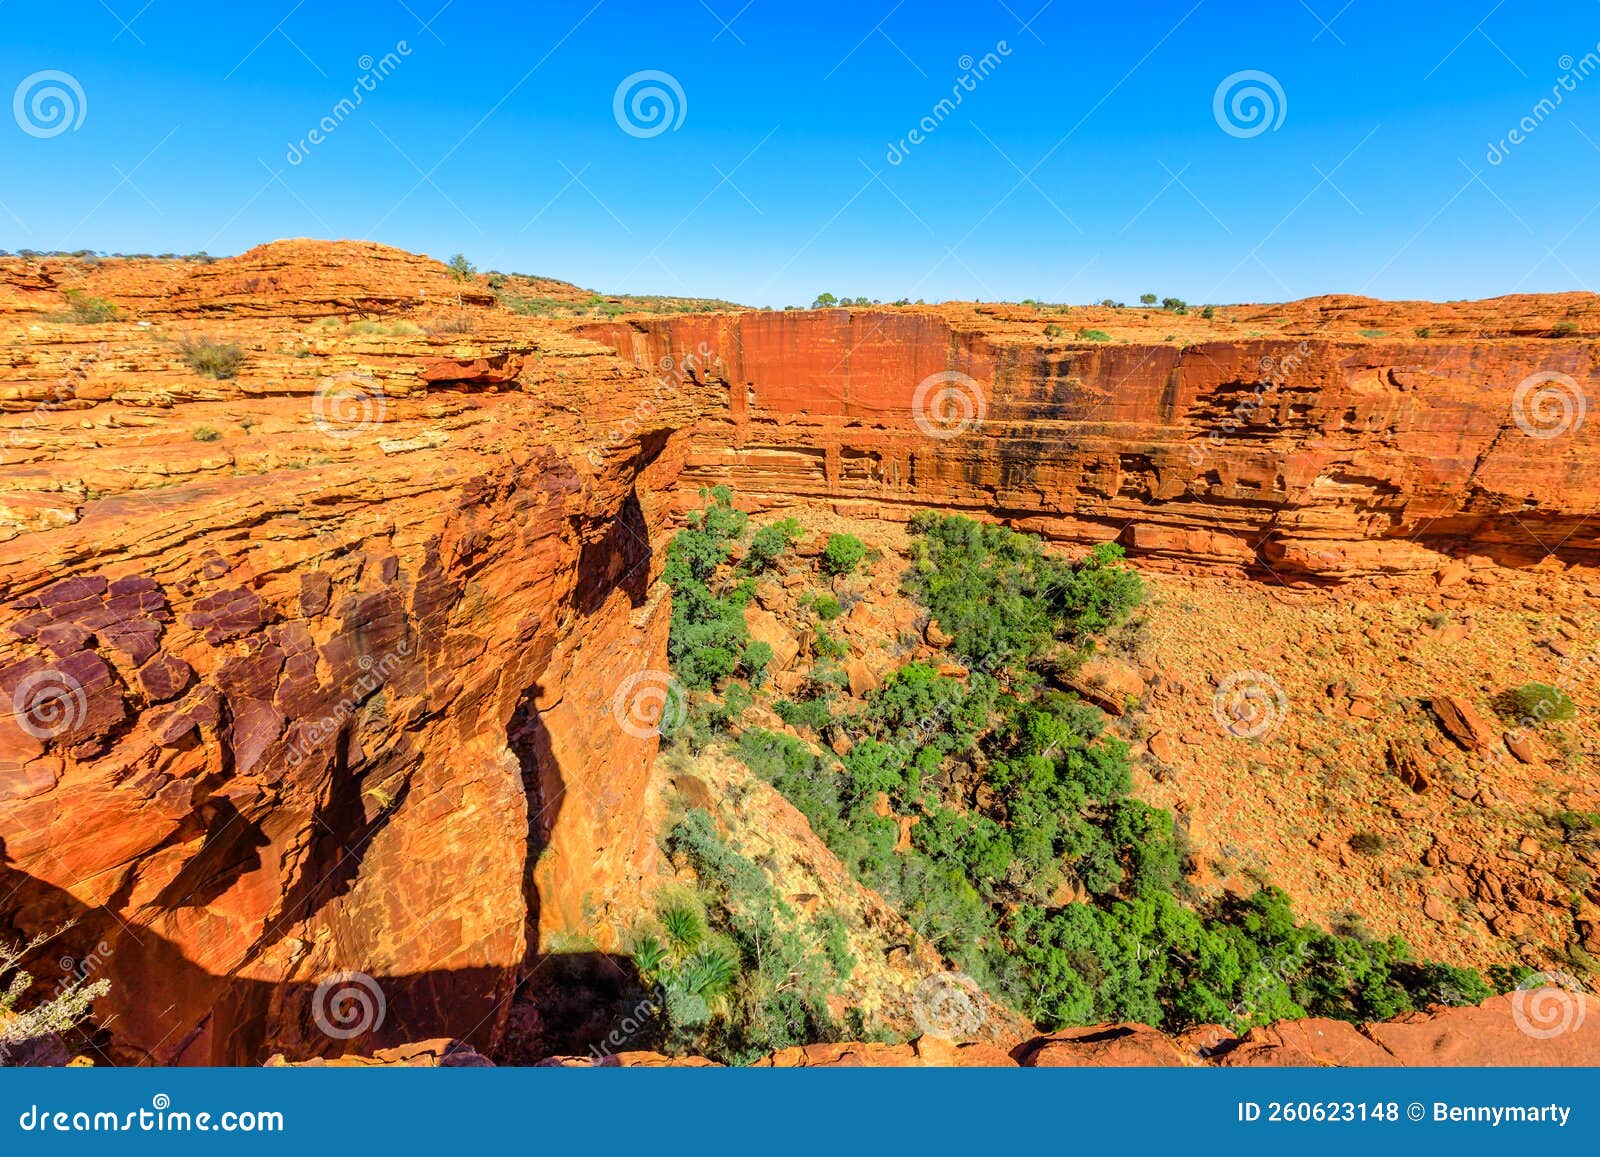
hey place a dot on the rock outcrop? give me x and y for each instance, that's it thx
(1309, 449)
(306, 668)
(1494, 1033)
(329, 683)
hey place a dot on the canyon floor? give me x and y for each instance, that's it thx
(314, 666)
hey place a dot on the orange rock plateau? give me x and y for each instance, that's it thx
(341, 633)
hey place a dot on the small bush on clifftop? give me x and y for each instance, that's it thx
(85, 310)
(213, 359)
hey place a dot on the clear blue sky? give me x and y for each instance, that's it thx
(1087, 163)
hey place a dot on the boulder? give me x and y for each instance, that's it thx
(767, 628)
(1464, 723)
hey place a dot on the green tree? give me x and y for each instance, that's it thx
(771, 543)
(842, 553)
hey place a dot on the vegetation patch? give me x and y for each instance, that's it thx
(994, 812)
(211, 358)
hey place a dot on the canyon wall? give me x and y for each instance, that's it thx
(307, 666)
(1319, 455)
(328, 681)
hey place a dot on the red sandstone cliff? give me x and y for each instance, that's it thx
(331, 666)
(1327, 454)
(341, 634)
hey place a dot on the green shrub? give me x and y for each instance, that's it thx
(827, 607)
(1147, 298)
(998, 594)
(461, 269)
(708, 633)
(762, 983)
(757, 654)
(213, 359)
(827, 645)
(1054, 330)
(771, 543)
(682, 924)
(1093, 335)
(85, 310)
(206, 434)
(980, 880)
(1208, 312)
(843, 553)
(812, 713)
(1535, 703)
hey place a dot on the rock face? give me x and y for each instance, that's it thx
(328, 686)
(1322, 455)
(310, 665)
(1499, 1032)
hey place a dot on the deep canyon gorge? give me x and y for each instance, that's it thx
(346, 657)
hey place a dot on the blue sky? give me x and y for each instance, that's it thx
(1087, 161)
